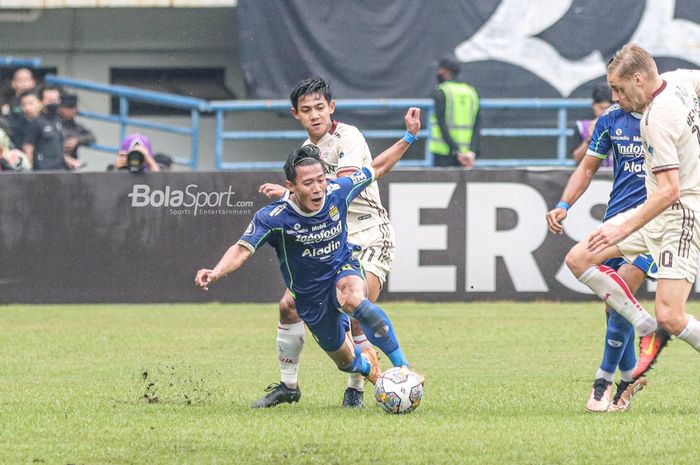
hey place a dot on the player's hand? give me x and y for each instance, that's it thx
(412, 120)
(272, 191)
(204, 278)
(605, 236)
(555, 218)
(466, 159)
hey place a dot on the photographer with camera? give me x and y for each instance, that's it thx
(135, 155)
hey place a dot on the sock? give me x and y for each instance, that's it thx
(609, 286)
(606, 375)
(628, 361)
(290, 342)
(356, 380)
(691, 333)
(379, 330)
(358, 365)
(627, 376)
(617, 340)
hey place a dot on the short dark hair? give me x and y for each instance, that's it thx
(312, 85)
(33, 92)
(602, 93)
(43, 89)
(306, 155)
(450, 64)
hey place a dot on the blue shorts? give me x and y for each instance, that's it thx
(643, 262)
(327, 322)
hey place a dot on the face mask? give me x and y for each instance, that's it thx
(51, 109)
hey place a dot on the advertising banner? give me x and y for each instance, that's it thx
(108, 237)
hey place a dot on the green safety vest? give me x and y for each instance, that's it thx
(461, 107)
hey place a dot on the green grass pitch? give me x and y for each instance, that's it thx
(505, 383)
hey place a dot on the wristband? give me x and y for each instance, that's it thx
(563, 205)
(409, 138)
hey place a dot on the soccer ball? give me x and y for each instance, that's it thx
(398, 390)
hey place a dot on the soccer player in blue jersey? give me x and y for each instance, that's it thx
(616, 134)
(309, 233)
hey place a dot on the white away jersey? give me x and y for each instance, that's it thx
(344, 150)
(670, 130)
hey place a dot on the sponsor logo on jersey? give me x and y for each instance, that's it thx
(630, 150)
(323, 251)
(334, 213)
(358, 177)
(332, 187)
(341, 155)
(320, 236)
(278, 209)
(634, 167)
(297, 226)
(250, 229)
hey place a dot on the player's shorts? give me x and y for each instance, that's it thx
(323, 316)
(644, 262)
(672, 238)
(376, 252)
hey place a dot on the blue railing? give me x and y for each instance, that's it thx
(126, 94)
(16, 62)
(561, 132)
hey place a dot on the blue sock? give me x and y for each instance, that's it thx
(359, 364)
(617, 339)
(379, 331)
(629, 357)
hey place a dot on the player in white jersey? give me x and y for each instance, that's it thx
(344, 151)
(667, 224)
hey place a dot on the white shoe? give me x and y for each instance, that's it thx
(600, 396)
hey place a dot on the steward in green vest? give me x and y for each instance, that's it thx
(454, 128)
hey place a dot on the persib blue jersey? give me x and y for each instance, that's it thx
(617, 132)
(311, 247)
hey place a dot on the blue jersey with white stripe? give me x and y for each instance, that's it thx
(311, 247)
(616, 133)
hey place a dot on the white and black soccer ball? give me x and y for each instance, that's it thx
(399, 390)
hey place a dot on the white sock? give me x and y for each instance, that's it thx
(609, 286)
(356, 380)
(290, 342)
(627, 376)
(604, 374)
(691, 333)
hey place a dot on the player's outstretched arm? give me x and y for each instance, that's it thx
(233, 259)
(383, 162)
(578, 183)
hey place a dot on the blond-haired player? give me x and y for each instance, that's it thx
(667, 224)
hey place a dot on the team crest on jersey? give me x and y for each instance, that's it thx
(334, 213)
(297, 226)
(250, 229)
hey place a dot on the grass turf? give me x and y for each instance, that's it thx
(505, 383)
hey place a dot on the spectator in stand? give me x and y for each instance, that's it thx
(135, 155)
(22, 81)
(74, 134)
(602, 100)
(11, 159)
(43, 140)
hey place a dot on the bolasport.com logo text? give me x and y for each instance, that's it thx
(190, 201)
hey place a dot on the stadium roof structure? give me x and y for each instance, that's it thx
(44, 4)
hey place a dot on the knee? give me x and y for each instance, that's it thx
(577, 261)
(349, 297)
(288, 311)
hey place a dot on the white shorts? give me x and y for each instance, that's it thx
(377, 246)
(672, 238)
